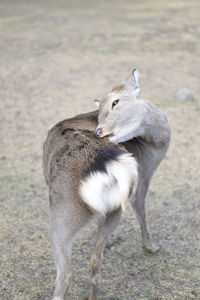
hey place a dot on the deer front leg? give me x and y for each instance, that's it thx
(138, 204)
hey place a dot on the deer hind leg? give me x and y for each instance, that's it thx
(105, 228)
(138, 204)
(62, 256)
(66, 222)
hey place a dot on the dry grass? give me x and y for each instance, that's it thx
(55, 58)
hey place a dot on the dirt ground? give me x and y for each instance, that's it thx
(55, 58)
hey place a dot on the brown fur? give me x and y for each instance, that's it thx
(118, 88)
(69, 150)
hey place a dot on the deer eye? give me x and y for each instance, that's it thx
(115, 103)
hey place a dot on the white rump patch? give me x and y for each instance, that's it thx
(105, 192)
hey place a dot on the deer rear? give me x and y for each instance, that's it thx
(88, 179)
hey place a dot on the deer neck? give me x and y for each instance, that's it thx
(155, 126)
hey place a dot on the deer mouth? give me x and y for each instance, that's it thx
(107, 135)
(99, 133)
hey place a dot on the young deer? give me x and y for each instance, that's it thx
(92, 178)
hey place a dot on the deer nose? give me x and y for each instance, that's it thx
(98, 132)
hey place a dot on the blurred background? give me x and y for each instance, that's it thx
(56, 57)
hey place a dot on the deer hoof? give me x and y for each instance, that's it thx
(151, 247)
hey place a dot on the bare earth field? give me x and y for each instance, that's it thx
(55, 58)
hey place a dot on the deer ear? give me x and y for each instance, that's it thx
(97, 102)
(136, 74)
(132, 82)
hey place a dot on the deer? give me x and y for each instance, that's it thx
(94, 164)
